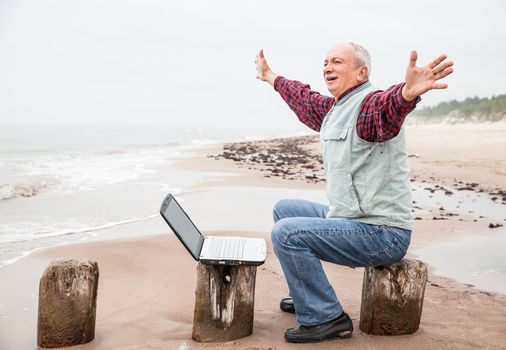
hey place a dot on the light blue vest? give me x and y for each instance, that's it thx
(366, 181)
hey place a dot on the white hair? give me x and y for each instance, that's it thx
(362, 57)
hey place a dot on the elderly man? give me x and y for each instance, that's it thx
(368, 219)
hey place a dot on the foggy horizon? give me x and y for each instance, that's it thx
(191, 63)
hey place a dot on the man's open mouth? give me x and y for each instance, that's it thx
(330, 78)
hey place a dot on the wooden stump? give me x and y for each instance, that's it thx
(224, 301)
(392, 298)
(67, 303)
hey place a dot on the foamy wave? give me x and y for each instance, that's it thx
(7, 191)
(13, 260)
(22, 190)
(85, 172)
(18, 234)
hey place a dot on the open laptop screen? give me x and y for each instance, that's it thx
(182, 226)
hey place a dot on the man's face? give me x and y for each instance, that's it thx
(340, 71)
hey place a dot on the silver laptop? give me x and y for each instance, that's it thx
(211, 250)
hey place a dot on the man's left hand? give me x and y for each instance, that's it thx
(419, 80)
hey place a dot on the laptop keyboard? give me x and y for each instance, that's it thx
(228, 248)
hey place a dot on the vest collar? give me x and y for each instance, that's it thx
(350, 92)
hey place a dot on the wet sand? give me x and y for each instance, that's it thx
(146, 289)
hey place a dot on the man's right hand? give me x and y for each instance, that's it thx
(264, 72)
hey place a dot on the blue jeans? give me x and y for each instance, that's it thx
(302, 236)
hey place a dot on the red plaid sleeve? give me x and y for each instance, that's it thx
(383, 113)
(309, 106)
(381, 116)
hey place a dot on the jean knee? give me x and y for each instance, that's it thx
(282, 231)
(279, 209)
(278, 234)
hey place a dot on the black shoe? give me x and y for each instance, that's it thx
(286, 305)
(341, 327)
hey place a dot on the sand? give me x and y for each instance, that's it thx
(146, 288)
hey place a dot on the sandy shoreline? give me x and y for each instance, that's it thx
(146, 289)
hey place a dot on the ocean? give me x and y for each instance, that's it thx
(65, 184)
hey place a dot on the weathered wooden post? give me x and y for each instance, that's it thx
(224, 302)
(67, 303)
(392, 298)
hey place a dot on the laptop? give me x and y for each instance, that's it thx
(211, 250)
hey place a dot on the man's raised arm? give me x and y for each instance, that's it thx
(264, 72)
(383, 112)
(419, 80)
(309, 106)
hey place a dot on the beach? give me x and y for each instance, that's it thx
(147, 281)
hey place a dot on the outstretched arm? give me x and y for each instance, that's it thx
(309, 106)
(419, 80)
(384, 112)
(264, 72)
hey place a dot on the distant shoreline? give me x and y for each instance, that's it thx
(455, 119)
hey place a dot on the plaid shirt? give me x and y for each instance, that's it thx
(381, 115)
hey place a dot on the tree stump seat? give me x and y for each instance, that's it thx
(392, 298)
(67, 303)
(224, 302)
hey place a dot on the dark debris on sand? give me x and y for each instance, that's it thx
(497, 195)
(494, 225)
(286, 158)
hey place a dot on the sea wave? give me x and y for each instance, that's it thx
(28, 189)
(78, 172)
(44, 231)
(14, 259)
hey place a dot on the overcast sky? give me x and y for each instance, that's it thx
(148, 62)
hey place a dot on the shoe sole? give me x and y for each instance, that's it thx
(341, 335)
(288, 309)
